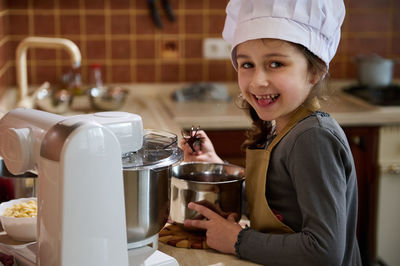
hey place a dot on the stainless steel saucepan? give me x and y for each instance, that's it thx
(216, 186)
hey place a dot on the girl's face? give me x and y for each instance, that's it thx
(273, 78)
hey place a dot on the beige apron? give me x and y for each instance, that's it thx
(261, 216)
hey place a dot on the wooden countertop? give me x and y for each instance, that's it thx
(146, 105)
(199, 257)
(158, 110)
(185, 257)
(346, 109)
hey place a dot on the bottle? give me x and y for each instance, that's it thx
(76, 83)
(72, 82)
(95, 77)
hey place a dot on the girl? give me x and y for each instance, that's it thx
(301, 183)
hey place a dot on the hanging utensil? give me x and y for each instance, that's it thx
(154, 12)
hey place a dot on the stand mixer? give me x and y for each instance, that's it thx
(83, 207)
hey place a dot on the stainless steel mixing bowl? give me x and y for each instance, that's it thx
(146, 175)
(216, 186)
(107, 98)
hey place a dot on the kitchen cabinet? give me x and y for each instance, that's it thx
(227, 144)
(364, 145)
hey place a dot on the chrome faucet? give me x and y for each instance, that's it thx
(21, 65)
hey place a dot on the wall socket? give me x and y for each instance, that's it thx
(169, 49)
(216, 48)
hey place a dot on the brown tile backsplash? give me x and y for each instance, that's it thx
(120, 24)
(69, 25)
(193, 48)
(44, 25)
(369, 22)
(170, 72)
(94, 4)
(145, 72)
(193, 72)
(144, 25)
(18, 24)
(122, 36)
(121, 4)
(145, 49)
(96, 25)
(217, 70)
(369, 3)
(96, 50)
(70, 4)
(368, 44)
(193, 24)
(120, 49)
(121, 74)
(20, 4)
(43, 4)
(216, 23)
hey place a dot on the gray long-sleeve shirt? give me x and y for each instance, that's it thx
(312, 183)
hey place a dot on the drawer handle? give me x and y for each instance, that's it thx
(393, 169)
(357, 141)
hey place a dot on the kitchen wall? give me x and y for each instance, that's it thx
(122, 37)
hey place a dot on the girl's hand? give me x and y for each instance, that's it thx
(221, 233)
(204, 153)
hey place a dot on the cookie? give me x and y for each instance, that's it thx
(177, 236)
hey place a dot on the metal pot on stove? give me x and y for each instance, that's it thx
(146, 184)
(374, 70)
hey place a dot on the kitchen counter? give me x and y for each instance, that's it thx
(199, 257)
(158, 110)
(185, 257)
(346, 109)
(144, 104)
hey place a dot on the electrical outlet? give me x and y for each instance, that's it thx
(216, 48)
(169, 49)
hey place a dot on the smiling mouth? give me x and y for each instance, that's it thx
(266, 99)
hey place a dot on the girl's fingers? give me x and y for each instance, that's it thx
(196, 223)
(232, 217)
(206, 212)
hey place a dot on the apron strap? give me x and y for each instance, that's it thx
(262, 217)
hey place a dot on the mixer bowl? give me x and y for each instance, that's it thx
(146, 202)
(146, 178)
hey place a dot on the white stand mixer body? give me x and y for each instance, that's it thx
(81, 210)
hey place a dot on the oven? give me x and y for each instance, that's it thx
(388, 212)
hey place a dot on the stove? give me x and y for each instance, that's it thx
(382, 96)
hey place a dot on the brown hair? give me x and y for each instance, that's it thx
(257, 136)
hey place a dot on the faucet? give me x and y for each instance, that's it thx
(39, 42)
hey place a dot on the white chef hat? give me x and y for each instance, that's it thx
(315, 24)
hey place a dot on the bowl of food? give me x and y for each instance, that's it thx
(216, 186)
(19, 217)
